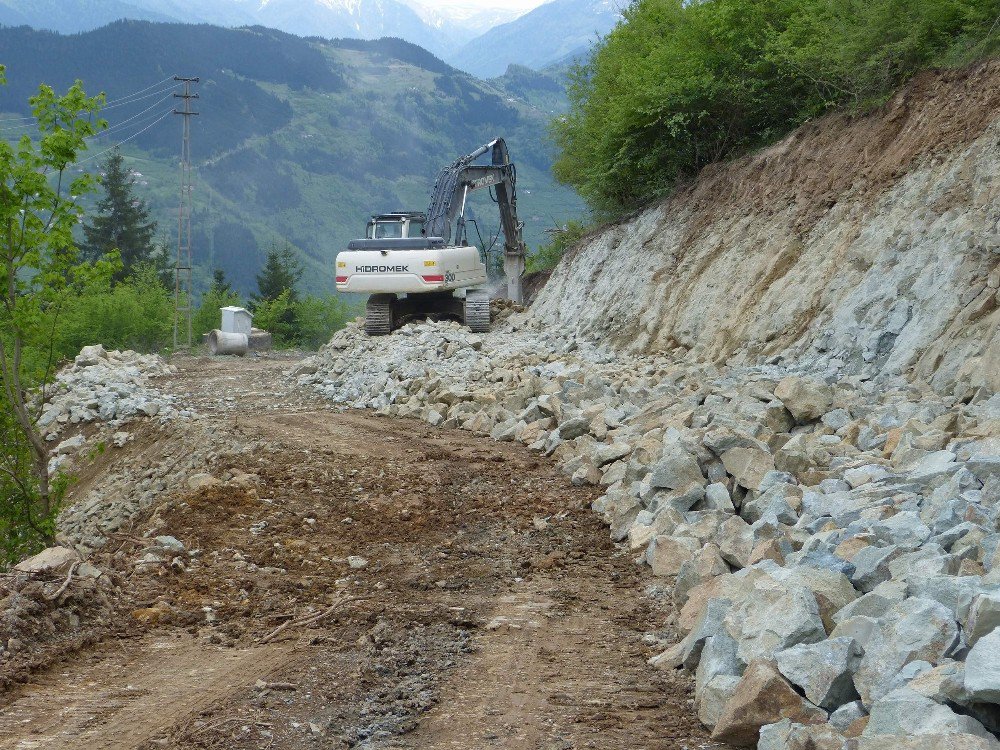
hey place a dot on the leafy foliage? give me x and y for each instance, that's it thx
(678, 85)
(547, 256)
(136, 313)
(39, 273)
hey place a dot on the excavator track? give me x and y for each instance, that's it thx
(477, 310)
(378, 314)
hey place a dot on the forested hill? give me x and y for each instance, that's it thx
(296, 140)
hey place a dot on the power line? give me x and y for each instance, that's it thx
(117, 126)
(123, 141)
(119, 102)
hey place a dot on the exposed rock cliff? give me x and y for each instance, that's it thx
(866, 245)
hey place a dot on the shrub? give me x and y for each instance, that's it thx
(547, 256)
(680, 84)
(137, 313)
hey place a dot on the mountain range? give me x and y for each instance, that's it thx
(297, 140)
(482, 41)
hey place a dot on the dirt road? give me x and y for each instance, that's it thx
(364, 582)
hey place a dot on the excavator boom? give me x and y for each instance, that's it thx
(451, 190)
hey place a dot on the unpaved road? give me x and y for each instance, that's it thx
(493, 611)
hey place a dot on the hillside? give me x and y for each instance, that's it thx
(864, 244)
(551, 33)
(297, 140)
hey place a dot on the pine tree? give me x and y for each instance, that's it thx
(220, 285)
(281, 273)
(122, 221)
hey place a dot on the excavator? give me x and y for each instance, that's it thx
(412, 268)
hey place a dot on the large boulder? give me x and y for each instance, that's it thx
(676, 470)
(51, 560)
(982, 669)
(748, 466)
(806, 399)
(787, 735)
(823, 670)
(906, 712)
(915, 629)
(773, 619)
(762, 697)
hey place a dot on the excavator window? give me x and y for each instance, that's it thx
(388, 229)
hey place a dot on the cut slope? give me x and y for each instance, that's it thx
(867, 244)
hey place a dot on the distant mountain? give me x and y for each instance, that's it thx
(550, 33)
(433, 28)
(463, 19)
(69, 16)
(297, 140)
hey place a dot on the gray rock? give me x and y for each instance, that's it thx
(788, 735)
(667, 554)
(711, 700)
(775, 618)
(823, 670)
(915, 629)
(871, 566)
(736, 541)
(706, 564)
(607, 454)
(748, 466)
(718, 657)
(954, 592)
(904, 530)
(847, 714)
(805, 399)
(906, 712)
(677, 469)
(574, 427)
(717, 498)
(984, 616)
(982, 669)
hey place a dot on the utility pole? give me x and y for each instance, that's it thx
(182, 270)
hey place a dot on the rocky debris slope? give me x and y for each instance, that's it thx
(167, 464)
(108, 386)
(832, 542)
(871, 244)
(51, 600)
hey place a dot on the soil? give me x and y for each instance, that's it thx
(490, 609)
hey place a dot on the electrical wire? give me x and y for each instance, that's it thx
(123, 141)
(119, 125)
(119, 102)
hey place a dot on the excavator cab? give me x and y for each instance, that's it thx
(398, 225)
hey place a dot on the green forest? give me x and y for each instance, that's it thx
(679, 85)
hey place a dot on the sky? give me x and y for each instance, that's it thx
(518, 4)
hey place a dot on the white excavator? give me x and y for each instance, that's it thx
(412, 269)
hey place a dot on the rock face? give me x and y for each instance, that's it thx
(820, 267)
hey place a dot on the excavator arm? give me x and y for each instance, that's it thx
(451, 190)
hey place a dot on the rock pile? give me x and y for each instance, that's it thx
(107, 386)
(831, 542)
